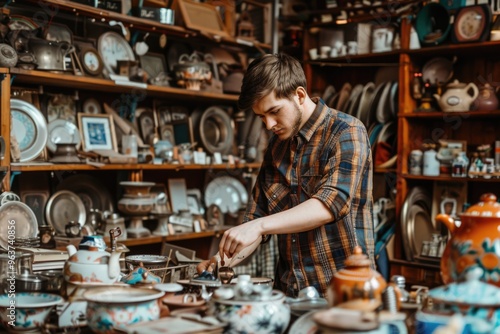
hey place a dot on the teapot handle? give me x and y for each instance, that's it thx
(183, 58)
(475, 90)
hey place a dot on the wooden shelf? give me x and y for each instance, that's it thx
(448, 178)
(103, 85)
(389, 58)
(146, 25)
(154, 239)
(469, 49)
(445, 115)
(414, 264)
(44, 167)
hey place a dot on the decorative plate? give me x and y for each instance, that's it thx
(216, 130)
(62, 131)
(437, 70)
(91, 191)
(355, 94)
(64, 206)
(304, 324)
(18, 22)
(91, 106)
(363, 111)
(29, 128)
(228, 193)
(384, 113)
(20, 216)
(420, 228)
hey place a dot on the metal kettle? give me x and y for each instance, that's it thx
(49, 54)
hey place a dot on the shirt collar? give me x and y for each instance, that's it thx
(315, 120)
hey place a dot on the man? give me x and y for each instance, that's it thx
(314, 188)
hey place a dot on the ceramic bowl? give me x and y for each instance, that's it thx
(27, 310)
(115, 307)
(266, 316)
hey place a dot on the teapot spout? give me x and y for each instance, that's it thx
(114, 269)
(437, 97)
(448, 221)
(71, 249)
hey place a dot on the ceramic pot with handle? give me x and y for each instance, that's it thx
(475, 244)
(457, 96)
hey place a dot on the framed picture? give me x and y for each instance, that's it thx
(36, 200)
(202, 17)
(97, 132)
(153, 63)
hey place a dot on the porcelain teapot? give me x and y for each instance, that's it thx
(457, 96)
(475, 244)
(91, 263)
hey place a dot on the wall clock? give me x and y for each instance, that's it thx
(91, 61)
(113, 47)
(472, 24)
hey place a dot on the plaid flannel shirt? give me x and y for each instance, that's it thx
(330, 160)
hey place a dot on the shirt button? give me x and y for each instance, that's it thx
(275, 196)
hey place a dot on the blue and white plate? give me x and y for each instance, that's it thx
(29, 127)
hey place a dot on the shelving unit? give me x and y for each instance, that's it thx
(195, 174)
(473, 62)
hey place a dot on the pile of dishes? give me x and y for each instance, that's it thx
(375, 104)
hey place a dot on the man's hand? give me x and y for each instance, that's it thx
(235, 241)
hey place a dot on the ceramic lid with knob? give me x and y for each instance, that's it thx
(488, 207)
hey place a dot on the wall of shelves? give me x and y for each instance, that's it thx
(85, 18)
(472, 62)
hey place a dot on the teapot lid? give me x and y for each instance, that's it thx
(456, 84)
(471, 291)
(487, 207)
(357, 259)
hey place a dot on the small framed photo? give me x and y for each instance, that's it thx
(201, 16)
(97, 132)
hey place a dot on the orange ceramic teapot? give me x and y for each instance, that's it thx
(475, 244)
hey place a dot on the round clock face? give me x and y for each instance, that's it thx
(91, 62)
(470, 23)
(112, 48)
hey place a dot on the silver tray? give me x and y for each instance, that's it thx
(29, 128)
(64, 206)
(90, 190)
(23, 219)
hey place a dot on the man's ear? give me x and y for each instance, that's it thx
(301, 94)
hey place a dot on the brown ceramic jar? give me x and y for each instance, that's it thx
(357, 286)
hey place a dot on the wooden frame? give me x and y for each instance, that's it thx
(97, 132)
(202, 17)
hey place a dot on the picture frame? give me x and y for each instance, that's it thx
(36, 200)
(97, 132)
(202, 17)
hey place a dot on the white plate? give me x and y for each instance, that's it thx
(21, 217)
(437, 70)
(304, 324)
(62, 207)
(355, 92)
(228, 193)
(29, 128)
(384, 113)
(62, 131)
(363, 112)
(394, 100)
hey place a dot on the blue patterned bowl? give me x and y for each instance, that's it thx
(115, 307)
(263, 317)
(26, 311)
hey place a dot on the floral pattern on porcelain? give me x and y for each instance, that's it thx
(31, 310)
(265, 317)
(466, 258)
(103, 318)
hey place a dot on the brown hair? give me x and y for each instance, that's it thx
(278, 73)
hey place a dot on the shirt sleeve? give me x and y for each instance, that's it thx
(345, 170)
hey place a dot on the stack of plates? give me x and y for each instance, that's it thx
(416, 222)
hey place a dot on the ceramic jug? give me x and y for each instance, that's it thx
(475, 244)
(457, 96)
(487, 99)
